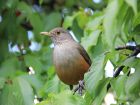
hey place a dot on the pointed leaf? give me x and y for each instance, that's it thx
(137, 102)
(17, 92)
(133, 4)
(118, 85)
(34, 62)
(91, 40)
(132, 62)
(95, 74)
(100, 91)
(133, 84)
(64, 98)
(110, 23)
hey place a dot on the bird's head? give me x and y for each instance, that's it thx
(58, 35)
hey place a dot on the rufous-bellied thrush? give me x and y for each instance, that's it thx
(70, 59)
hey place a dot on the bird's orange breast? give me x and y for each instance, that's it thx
(70, 65)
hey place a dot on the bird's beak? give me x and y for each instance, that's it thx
(45, 33)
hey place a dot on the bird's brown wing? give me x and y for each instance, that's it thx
(84, 54)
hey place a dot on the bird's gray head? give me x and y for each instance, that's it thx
(58, 35)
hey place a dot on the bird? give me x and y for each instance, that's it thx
(70, 59)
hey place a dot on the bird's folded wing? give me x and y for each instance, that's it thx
(84, 54)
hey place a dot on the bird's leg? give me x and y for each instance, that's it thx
(71, 87)
(80, 87)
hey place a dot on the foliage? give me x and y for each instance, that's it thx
(99, 27)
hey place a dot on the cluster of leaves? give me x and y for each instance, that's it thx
(100, 28)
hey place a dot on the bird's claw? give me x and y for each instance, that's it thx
(80, 87)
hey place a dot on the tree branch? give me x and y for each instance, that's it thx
(117, 72)
(126, 47)
(135, 49)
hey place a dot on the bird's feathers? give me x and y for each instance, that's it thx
(70, 62)
(84, 54)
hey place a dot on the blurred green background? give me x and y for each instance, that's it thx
(27, 75)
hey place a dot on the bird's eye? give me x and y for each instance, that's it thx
(58, 32)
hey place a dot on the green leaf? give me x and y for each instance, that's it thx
(51, 86)
(6, 26)
(2, 82)
(82, 19)
(37, 24)
(133, 84)
(125, 18)
(22, 37)
(137, 36)
(17, 92)
(110, 23)
(45, 56)
(100, 91)
(68, 21)
(64, 98)
(118, 85)
(44, 103)
(2, 4)
(94, 22)
(34, 62)
(99, 48)
(133, 4)
(11, 3)
(9, 67)
(4, 50)
(34, 81)
(52, 20)
(136, 21)
(24, 8)
(91, 40)
(95, 74)
(41, 1)
(132, 62)
(78, 32)
(136, 102)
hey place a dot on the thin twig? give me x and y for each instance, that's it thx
(126, 47)
(136, 51)
(117, 72)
